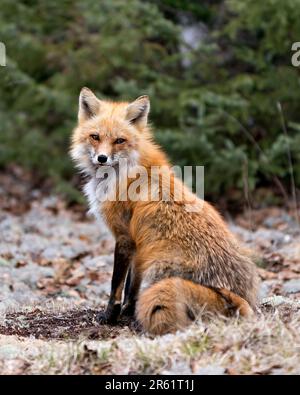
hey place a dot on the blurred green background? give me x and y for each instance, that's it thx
(218, 73)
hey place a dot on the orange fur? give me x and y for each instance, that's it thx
(173, 303)
(169, 241)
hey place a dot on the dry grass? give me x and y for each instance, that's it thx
(55, 276)
(267, 344)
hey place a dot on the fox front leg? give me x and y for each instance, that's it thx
(122, 258)
(128, 307)
(132, 288)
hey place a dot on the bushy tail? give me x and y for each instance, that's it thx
(173, 303)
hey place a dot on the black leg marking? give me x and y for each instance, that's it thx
(133, 290)
(190, 314)
(122, 258)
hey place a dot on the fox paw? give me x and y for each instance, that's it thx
(110, 315)
(128, 310)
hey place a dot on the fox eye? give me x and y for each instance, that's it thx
(120, 141)
(95, 137)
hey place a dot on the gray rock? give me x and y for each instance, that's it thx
(274, 237)
(268, 237)
(265, 288)
(272, 222)
(50, 202)
(64, 251)
(4, 289)
(291, 250)
(278, 300)
(292, 286)
(178, 368)
(4, 262)
(278, 372)
(274, 301)
(94, 263)
(9, 351)
(98, 292)
(210, 370)
(109, 259)
(31, 273)
(33, 244)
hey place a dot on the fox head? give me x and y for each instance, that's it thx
(108, 132)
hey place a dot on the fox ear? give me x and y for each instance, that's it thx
(88, 104)
(138, 110)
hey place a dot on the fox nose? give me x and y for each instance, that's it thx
(102, 158)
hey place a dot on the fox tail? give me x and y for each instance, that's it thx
(174, 303)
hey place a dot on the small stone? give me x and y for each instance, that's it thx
(178, 368)
(210, 370)
(292, 286)
(274, 301)
(278, 300)
(94, 263)
(4, 262)
(9, 351)
(278, 372)
(265, 288)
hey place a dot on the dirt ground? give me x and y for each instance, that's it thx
(55, 269)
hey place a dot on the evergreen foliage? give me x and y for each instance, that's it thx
(220, 102)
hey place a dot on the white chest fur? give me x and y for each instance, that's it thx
(98, 191)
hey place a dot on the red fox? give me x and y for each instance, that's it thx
(179, 263)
